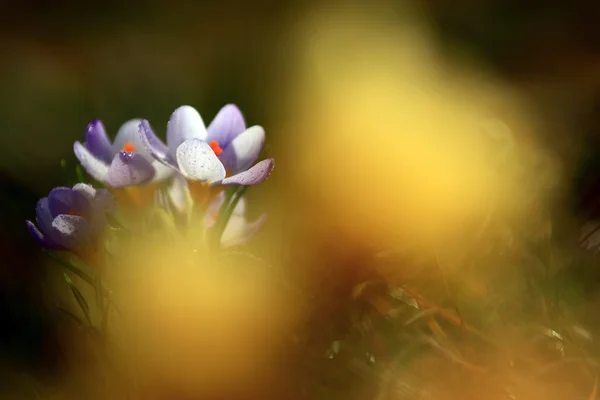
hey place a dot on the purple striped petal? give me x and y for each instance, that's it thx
(129, 169)
(255, 175)
(154, 146)
(228, 123)
(243, 150)
(63, 200)
(94, 166)
(198, 162)
(185, 123)
(71, 231)
(43, 217)
(60, 201)
(39, 237)
(100, 199)
(97, 142)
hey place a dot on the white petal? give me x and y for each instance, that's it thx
(87, 190)
(95, 167)
(185, 123)
(240, 207)
(162, 172)
(197, 161)
(239, 230)
(72, 230)
(129, 132)
(179, 194)
(234, 230)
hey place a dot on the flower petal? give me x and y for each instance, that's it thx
(97, 142)
(239, 231)
(161, 171)
(86, 190)
(60, 201)
(63, 200)
(104, 200)
(257, 174)
(240, 208)
(129, 169)
(185, 123)
(162, 201)
(228, 123)
(216, 207)
(103, 203)
(94, 166)
(129, 132)
(43, 216)
(39, 237)
(243, 150)
(197, 161)
(179, 194)
(71, 230)
(154, 146)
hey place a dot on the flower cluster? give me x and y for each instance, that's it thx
(197, 169)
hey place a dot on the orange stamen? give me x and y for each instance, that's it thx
(71, 212)
(129, 147)
(214, 145)
(214, 216)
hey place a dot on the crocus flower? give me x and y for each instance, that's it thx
(238, 229)
(123, 163)
(70, 219)
(176, 198)
(224, 153)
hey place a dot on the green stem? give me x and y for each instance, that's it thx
(87, 278)
(229, 203)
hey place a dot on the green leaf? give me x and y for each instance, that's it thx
(68, 265)
(104, 322)
(79, 297)
(79, 174)
(99, 297)
(420, 315)
(158, 218)
(71, 315)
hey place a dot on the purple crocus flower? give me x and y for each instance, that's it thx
(224, 153)
(123, 163)
(238, 229)
(70, 219)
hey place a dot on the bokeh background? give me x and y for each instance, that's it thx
(65, 63)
